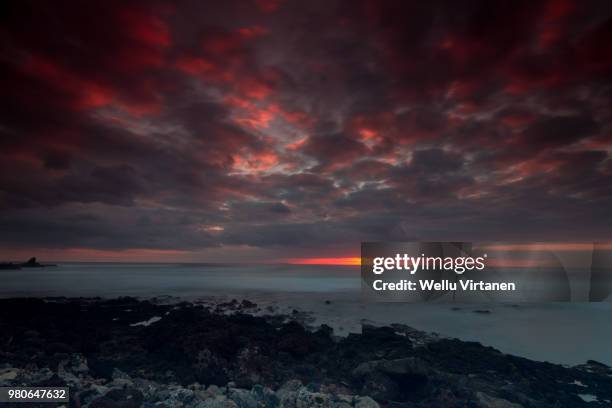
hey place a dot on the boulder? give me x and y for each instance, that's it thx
(217, 402)
(365, 402)
(8, 374)
(242, 398)
(265, 396)
(308, 399)
(487, 401)
(119, 398)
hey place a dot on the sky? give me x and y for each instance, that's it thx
(270, 130)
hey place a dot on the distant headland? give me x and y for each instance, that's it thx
(31, 263)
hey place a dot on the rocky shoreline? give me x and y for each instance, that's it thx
(148, 353)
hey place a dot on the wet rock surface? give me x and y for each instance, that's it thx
(131, 353)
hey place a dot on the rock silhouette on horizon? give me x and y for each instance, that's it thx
(31, 263)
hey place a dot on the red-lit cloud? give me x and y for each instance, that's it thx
(294, 128)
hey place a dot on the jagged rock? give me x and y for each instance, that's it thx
(265, 396)
(487, 401)
(291, 385)
(287, 399)
(593, 366)
(242, 398)
(119, 398)
(409, 365)
(389, 379)
(121, 379)
(179, 396)
(287, 394)
(365, 402)
(69, 378)
(380, 386)
(210, 368)
(8, 374)
(306, 399)
(341, 401)
(211, 392)
(92, 392)
(160, 394)
(148, 388)
(32, 263)
(40, 376)
(9, 266)
(78, 364)
(246, 304)
(217, 402)
(294, 340)
(118, 374)
(170, 362)
(248, 361)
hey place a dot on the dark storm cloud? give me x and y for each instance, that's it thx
(303, 124)
(434, 162)
(559, 131)
(334, 150)
(245, 211)
(75, 226)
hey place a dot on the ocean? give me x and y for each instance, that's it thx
(563, 333)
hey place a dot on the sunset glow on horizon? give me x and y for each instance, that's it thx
(349, 261)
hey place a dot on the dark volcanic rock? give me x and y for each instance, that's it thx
(119, 398)
(9, 266)
(33, 263)
(247, 305)
(108, 351)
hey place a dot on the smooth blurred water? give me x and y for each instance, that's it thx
(566, 333)
(190, 280)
